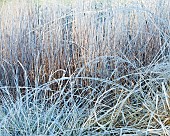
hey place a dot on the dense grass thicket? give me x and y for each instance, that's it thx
(85, 68)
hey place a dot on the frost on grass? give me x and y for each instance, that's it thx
(90, 68)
